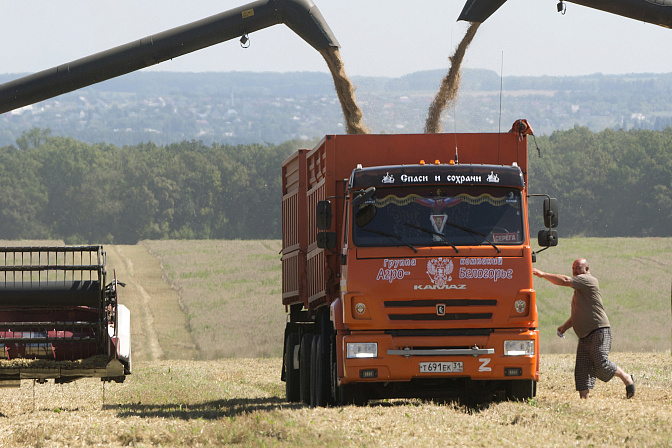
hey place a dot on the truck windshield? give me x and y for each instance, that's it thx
(439, 216)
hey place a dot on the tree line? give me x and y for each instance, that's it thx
(608, 184)
(60, 188)
(611, 183)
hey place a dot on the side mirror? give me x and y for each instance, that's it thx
(547, 238)
(365, 215)
(326, 240)
(363, 196)
(551, 212)
(323, 220)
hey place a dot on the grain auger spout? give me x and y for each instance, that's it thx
(301, 16)
(658, 12)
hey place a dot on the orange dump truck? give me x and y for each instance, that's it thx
(408, 274)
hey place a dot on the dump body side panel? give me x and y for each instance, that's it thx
(294, 225)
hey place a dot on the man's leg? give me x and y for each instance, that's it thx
(606, 369)
(600, 346)
(584, 370)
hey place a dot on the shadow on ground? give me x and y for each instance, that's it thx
(213, 410)
(210, 410)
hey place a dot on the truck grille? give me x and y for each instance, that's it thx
(439, 309)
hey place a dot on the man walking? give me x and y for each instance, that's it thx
(591, 325)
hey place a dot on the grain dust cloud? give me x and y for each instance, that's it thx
(345, 91)
(447, 93)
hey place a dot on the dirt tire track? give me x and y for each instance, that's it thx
(158, 325)
(145, 342)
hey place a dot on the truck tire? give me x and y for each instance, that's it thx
(304, 367)
(312, 372)
(292, 378)
(333, 377)
(352, 394)
(521, 390)
(319, 371)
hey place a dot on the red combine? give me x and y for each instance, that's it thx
(59, 318)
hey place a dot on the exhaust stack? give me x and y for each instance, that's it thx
(301, 16)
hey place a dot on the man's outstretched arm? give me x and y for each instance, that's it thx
(556, 279)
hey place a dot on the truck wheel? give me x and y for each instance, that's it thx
(314, 371)
(292, 378)
(333, 378)
(345, 395)
(352, 394)
(319, 371)
(304, 367)
(520, 390)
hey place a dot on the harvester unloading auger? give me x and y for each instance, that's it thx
(59, 318)
(658, 12)
(302, 16)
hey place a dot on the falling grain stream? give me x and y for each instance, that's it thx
(447, 93)
(345, 91)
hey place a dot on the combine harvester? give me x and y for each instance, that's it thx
(59, 318)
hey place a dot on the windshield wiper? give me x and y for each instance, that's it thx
(389, 235)
(432, 232)
(474, 232)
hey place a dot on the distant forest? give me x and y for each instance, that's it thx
(610, 183)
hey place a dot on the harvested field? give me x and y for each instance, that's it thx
(184, 290)
(158, 321)
(229, 292)
(241, 402)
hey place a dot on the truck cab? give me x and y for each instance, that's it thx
(436, 280)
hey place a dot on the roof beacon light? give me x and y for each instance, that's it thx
(437, 162)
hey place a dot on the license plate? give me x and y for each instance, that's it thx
(441, 367)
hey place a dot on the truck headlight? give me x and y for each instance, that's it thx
(361, 350)
(518, 348)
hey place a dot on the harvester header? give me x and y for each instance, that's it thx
(59, 318)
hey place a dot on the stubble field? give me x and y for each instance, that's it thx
(207, 337)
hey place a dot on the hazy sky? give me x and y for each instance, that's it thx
(377, 37)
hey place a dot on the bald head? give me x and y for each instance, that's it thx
(580, 266)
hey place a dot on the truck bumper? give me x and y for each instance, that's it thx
(476, 358)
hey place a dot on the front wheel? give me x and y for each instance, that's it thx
(521, 390)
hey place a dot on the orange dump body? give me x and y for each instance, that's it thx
(430, 275)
